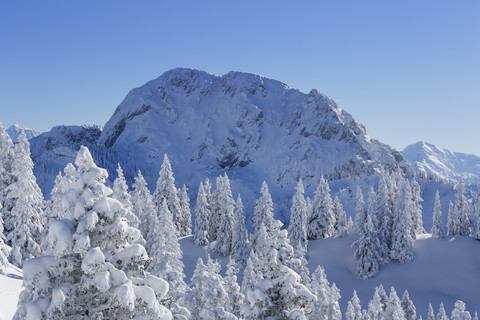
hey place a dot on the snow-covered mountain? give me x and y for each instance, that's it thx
(249, 126)
(15, 130)
(430, 160)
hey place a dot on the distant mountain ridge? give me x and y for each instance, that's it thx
(15, 130)
(428, 159)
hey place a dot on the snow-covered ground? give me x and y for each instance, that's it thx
(444, 270)
(10, 287)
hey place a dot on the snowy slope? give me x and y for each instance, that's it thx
(15, 130)
(10, 287)
(428, 159)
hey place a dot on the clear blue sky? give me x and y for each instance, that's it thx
(408, 70)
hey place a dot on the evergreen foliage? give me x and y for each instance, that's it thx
(437, 227)
(322, 219)
(340, 219)
(225, 202)
(297, 230)
(184, 217)
(202, 217)
(120, 192)
(402, 242)
(240, 235)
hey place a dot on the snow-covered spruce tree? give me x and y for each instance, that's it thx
(459, 312)
(167, 256)
(377, 306)
(394, 310)
(340, 219)
(326, 305)
(7, 158)
(27, 210)
(322, 219)
(430, 314)
(145, 210)
(263, 214)
(437, 227)
(384, 214)
(271, 287)
(120, 192)
(354, 309)
(360, 211)
(402, 242)
(417, 220)
(461, 211)
(202, 217)
(4, 250)
(408, 307)
(452, 223)
(166, 189)
(235, 296)
(367, 253)
(215, 210)
(297, 230)
(223, 244)
(240, 235)
(208, 296)
(56, 207)
(442, 314)
(185, 217)
(91, 270)
(475, 316)
(476, 214)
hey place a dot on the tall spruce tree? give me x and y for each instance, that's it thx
(394, 310)
(240, 235)
(402, 242)
(437, 227)
(202, 217)
(7, 158)
(322, 219)
(416, 217)
(27, 211)
(360, 211)
(297, 230)
(462, 211)
(340, 219)
(385, 216)
(223, 244)
(166, 189)
(184, 217)
(354, 309)
(442, 315)
(452, 222)
(408, 307)
(93, 268)
(120, 192)
(326, 305)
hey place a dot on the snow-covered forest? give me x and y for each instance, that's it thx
(100, 250)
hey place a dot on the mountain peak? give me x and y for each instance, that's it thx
(15, 130)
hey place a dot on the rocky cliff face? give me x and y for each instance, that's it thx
(249, 126)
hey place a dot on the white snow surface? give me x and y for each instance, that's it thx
(444, 164)
(15, 130)
(10, 287)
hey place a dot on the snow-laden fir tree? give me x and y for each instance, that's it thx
(322, 219)
(166, 189)
(4, 250)
(202, 213)
(215, 209)
(476, 214)
(240, 235)
(408, 307)
(7, 158)
(271, 287)
(354, 309)
(452, 223)
(93, 268)
(145, 210)
(208, 296)
(326, 305)
(27, 211)
(437, 227)
(384, 214)
(461, 210)
(430, 314)
(377, 306)
(459, 312)
(394, 310)
(263, 214)
(235, 296)
(120, 192)
(360, 211)
(442, 314)
(184, 217)
(56, 207)
(340, 219)
(417, 220)
(475, 316)
(297, 230)
(402, 242)
(167, 256)
(226, 204)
